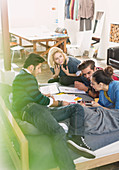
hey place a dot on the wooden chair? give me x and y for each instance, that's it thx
(25, 149)
(17, 48)
(21, 162)
(14, 46)
(28, 148)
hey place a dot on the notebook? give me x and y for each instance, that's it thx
(55, 88)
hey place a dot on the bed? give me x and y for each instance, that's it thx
(33, 150)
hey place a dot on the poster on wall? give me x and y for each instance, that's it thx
(114, 33)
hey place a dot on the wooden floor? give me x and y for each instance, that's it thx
(5, 162)
(46, 73)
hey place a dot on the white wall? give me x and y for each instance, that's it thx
(21, 13)
(111, 16)
(32, 13)
(35, 13)
(45, 15)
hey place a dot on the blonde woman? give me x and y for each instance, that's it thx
(63, 67)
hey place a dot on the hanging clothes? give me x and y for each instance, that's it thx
(85, 22)
(67, 6)
(76, 7)
(86, 14)
(72, 8)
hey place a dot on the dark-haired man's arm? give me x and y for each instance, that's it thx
(89, 90)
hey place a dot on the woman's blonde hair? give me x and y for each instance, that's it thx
(51, 54)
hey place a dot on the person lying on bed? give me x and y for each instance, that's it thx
(103, 116)
(33, 107)
(87, 68)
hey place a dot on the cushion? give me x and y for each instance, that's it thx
(27, 128)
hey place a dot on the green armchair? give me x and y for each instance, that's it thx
(28, 148)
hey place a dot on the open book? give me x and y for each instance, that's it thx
(50, 89)
(53, 88)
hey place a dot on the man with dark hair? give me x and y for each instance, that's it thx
(82, 82)
(87, 68)
(34, 59)
(87, 63)
(33, 107)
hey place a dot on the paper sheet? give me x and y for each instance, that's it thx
(67, 97)
(66, 89)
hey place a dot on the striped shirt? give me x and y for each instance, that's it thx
(25, 90)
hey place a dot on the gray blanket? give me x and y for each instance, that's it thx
(101, 121)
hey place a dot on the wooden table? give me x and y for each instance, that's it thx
(36, 36)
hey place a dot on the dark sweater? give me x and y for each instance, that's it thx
(72, 66)
(25, 90)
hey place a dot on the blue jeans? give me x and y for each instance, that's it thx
(46, 120)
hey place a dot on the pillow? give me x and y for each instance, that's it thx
(27, 128)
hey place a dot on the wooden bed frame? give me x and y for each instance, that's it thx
(106, 155)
